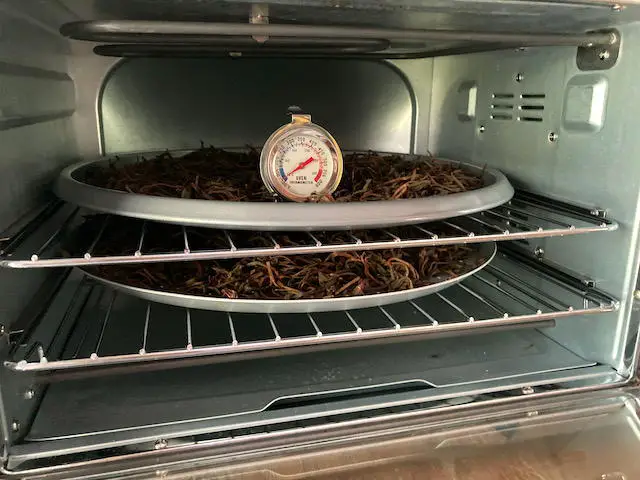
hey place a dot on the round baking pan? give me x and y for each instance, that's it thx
(281, 215)
(484, 251)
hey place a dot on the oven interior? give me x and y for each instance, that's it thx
(89, 373)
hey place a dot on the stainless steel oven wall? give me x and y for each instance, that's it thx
(37, 108)
(159, 103)
(37, 104)
(566, 133)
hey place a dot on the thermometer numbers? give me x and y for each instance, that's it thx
(303, 165)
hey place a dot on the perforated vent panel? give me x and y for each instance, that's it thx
(526, 107)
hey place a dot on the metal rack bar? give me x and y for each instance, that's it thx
(567, 220)
(491, 304)
(315, 325)
(17, 232)
(232, 246)
(145, 333)
(232, 330)
(492, 295)
(277, 336)
(185, 240)
(96, 350)
(512, 280)
(143, 230)
(421, 310)
(313, 237)
(508, 294)
(55, 235)
(189, 335)
(352, 320)
(87, 254)
(510, 207)
(395, 324)
(515, 221)
(456, 308)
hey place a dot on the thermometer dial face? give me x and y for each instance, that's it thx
(301, 162)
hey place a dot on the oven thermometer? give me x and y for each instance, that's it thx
(301, 161)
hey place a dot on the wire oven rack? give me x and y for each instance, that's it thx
(96, 326)
(526, 216)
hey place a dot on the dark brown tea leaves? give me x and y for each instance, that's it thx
(214, 174)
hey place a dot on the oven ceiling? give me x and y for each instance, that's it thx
(491, 16)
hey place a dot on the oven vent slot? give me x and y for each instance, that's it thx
(529, 106)
(502, 116)
(502, 106)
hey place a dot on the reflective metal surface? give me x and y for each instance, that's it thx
(526, 216)
(317, 380)
(479, 257)
(274, 216)
(157, 104)
(592, 163)
(484, 15)
(131, 331)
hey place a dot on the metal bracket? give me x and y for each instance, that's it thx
(599, 56)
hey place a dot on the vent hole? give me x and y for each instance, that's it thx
(502, 106)
(503, 95)
(501, 116)
(533, 95)
(530, 119)
(532, 107)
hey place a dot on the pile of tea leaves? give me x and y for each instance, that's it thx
(214, 174)
(328, 275)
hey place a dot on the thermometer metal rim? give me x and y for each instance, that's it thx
(300, 125)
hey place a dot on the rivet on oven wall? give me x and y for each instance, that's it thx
(160, 444)
(519, 77)
(15, 426)
(539, 252)
(604, 55)
(481, 129)
(613, 476)
(259, 16)
(553, 136)
(29, 394)
(527, 390)
(3, 330)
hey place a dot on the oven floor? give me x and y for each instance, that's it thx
(228, 393)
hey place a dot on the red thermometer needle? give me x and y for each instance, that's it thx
(301, 166)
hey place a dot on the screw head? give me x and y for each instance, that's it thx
(527, 390)
(604, 55)
(481, 129)
(160, 444)
(553, 136)
(519, 77)
(539, 252)
(15, 426)
(29, 394)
